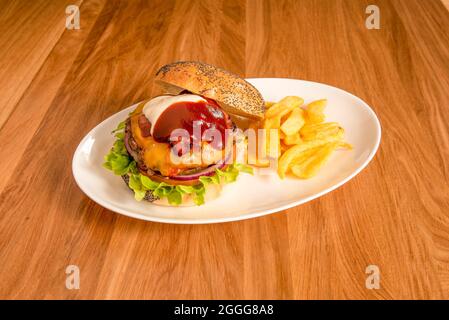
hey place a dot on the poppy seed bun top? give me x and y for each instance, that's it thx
(234, 94)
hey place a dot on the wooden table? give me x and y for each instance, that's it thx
(57, 84)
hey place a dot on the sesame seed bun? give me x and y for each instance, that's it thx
(234, 94)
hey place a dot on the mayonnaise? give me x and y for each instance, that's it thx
(154, 108)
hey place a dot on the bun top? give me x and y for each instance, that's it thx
(234, 94)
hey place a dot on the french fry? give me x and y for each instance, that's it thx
(292, 139)
(257, 153)
(294, 122)
(272, 142)
(326, 131)
(284, 147)
(303, 157)
(288, 156)
(269, 104)
(284, 106)
(310, 166)
(297, 136)
(345, 145)
(271, 123)
(317, 105)
(314, 112)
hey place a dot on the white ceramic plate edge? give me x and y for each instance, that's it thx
(107, 205)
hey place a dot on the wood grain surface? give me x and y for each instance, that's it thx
(446, 3)
(57, 84)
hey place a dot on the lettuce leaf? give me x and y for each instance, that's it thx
(121, 163)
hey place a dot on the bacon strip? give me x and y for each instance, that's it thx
(144, 125)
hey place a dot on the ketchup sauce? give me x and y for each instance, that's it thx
(182, 115)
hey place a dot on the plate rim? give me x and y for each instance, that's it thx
(107, 205)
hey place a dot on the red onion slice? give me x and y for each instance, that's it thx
(209, 171)
(131, 152)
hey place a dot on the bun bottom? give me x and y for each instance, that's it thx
(213, 191)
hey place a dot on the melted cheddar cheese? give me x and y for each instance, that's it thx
(157, 155)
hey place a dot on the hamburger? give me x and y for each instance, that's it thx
(178, 148)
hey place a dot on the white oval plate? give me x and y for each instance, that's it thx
(250, 196)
